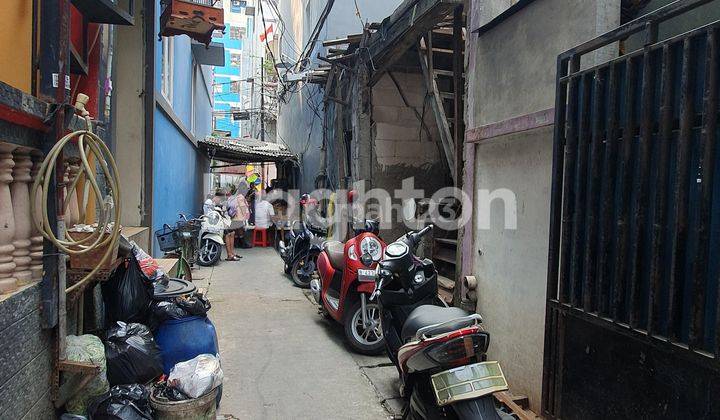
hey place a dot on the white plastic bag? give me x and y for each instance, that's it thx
(197, 376)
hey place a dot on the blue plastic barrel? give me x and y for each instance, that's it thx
(183, 339)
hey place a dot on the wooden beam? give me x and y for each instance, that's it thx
(506, 398)
(459, 91)
(346, 40)
(401, 30)
(438, 110)
(443, 31)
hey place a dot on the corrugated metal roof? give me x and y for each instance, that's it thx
(244, 150)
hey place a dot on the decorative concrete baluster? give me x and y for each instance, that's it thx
(72, 217)
(7, 220)
(21, 209)
(36, 239)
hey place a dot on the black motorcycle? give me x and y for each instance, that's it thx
(439, 351)
(300, 250)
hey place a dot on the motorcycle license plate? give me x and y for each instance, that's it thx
(366, 275)
(468, 382)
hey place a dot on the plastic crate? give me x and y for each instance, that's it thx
(167, 238)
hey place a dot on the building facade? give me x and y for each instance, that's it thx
(300, 116)
(149, 100)
(183, 114)
(511, 136)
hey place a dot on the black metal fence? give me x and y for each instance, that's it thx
(635, 210)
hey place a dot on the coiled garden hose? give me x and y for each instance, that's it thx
(88, 144)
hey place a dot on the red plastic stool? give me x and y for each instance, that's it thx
(260, 237)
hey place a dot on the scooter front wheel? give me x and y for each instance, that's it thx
(364, 338)
(209, 253)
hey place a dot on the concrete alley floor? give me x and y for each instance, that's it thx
(280, 358)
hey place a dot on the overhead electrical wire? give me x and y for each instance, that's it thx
(310, 46)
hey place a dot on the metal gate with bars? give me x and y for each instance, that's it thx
(634, 254)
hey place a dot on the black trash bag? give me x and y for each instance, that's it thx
(196, 305)
(132, 355)
(179, 308)
(127, 294)
(163, 391)
(122, 402)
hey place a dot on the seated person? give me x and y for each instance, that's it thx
(264, 212)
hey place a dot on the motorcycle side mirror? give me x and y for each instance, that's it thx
(408, 209)
(366, 259)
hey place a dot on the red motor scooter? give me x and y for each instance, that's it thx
(347, 279)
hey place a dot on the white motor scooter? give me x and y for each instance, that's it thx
(212, 238)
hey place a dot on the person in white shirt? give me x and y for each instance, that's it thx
(264, 212)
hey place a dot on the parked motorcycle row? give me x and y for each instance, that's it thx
(387, 300)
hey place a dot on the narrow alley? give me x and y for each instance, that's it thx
(281, 359)
(360, 209)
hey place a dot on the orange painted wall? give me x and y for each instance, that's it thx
(16, 44)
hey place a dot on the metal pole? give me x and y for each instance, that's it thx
(262, 98)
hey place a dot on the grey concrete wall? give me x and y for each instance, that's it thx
(129, 121)
(511, 73)
(297, 124)
(511, 271)
(25, 358)
(688, 21)
(512, 67)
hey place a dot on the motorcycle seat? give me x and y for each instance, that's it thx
(335, 251)
(426, 315)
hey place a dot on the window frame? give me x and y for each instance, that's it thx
(167, 68)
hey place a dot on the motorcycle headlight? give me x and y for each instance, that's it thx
(371, 246)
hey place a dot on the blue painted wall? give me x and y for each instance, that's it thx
(179, 167)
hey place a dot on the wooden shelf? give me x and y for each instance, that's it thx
(446, 241)
(445, 256)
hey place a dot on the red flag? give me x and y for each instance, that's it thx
(267, 34)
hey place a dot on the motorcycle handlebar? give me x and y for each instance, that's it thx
(425, 231)
(415, 237)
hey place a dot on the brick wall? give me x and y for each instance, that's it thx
(25, 357)
(398, 136)
(401, 147)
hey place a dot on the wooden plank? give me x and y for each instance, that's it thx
(445, 296)
(401, 30)
(346, 40)
(458, 90)
(437, 106)
(443, 31)
(506, 398)
(446, 241)
(445, 255)
(445, 282)
(527, 122)
(440, 50)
